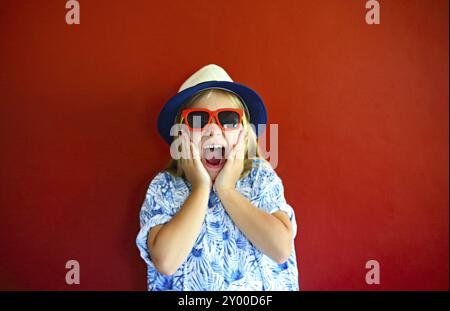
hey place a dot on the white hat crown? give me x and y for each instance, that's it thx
(211, 72)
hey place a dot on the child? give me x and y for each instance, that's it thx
(216, 218)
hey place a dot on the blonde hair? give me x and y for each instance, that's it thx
(173, 166)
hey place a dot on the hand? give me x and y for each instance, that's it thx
(233, 167)
(192, 166)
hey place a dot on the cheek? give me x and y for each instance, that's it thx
(231, 137)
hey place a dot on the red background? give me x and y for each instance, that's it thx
(362, 113)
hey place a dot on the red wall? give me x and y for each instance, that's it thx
(362, 113)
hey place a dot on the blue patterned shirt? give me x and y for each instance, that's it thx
(222, 257)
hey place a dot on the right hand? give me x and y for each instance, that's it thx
(192, 166)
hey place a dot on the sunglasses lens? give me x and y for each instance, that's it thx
(198, 119)
(229, 119)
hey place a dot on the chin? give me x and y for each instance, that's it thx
(213, 175)
(212, 171)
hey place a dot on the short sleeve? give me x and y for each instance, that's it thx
(156, 209)
(268, 194)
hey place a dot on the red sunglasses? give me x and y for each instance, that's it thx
(226, 118)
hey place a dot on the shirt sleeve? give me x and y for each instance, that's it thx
(268, 194)
(156, 209)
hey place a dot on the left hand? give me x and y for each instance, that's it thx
(231, 171)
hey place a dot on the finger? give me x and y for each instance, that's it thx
(197, 146)
(242, 137)
(240, 154)
(241, 145)
(183, 146)
(231, 152)
(186, 147)
(239, 139)
(235, 151)
(195, 152)
(181, 164)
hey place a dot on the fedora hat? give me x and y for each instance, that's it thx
(211, 77)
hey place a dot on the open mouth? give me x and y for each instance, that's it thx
(214, 155)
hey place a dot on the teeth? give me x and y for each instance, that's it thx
(211, 146)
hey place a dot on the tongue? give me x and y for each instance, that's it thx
(213, 161)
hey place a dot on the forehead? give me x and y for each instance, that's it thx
(215, 100)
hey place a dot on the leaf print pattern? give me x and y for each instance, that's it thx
(222, 257)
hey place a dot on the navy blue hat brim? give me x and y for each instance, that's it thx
(254, 103)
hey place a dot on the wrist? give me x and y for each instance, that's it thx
(201, 188)
(224, 188)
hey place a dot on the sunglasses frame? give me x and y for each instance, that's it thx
(212, 114)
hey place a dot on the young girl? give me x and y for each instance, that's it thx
(216, 218)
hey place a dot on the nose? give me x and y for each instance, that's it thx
(212, 129)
